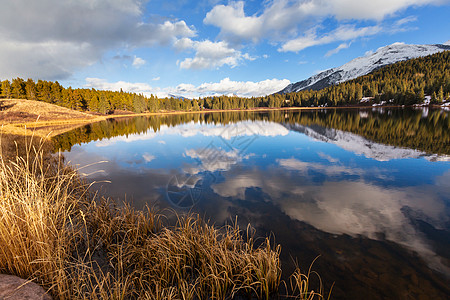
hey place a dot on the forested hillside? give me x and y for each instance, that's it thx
(403, 83)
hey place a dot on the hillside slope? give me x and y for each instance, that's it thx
(364, 65)
(21, 110)
(46, 119)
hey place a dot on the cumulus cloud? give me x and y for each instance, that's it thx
(102, 84)
(230, 87)
(224, 87)
(233, 22)
(284, 20)
(56, 38)
(210, 55)
(138, 62)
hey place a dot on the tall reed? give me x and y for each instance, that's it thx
(78, 246)
(38, 204)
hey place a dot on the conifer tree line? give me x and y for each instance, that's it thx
(403, 83)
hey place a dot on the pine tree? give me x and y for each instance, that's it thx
(103, 104)
(93, 104)
(420, 95)
(139, 104)
(77, 101)
(195, 106)
(6, 89)
(440, 95)
(30, 89)
(18, 88)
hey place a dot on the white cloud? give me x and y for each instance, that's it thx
(232, 21)
(342, 33)
(406, 20)
(283, 20)
(403, 25)
(156, 78)
(227, 87)
(224, 87)
(138, 87)
(138, 62)
(339, 48)
(57, 38)
(372, 10)
(183, 44)
(210, 55)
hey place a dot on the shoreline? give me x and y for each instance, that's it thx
(51, 128)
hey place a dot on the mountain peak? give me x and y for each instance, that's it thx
(365, 64)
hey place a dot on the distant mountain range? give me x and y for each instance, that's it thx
(364, 65)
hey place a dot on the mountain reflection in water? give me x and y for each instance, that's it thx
(366, 190)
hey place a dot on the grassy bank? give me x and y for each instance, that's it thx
(56, 232)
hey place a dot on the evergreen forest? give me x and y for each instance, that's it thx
(402, 83)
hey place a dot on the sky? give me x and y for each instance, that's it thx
(205, 47)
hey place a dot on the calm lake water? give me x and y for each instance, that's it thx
(367, 190)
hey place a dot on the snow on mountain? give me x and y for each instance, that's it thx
(360, 145)
(364, 65)
(178, 97)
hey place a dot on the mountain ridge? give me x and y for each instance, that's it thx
(364, 65)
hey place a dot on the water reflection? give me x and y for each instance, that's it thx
(378, 214)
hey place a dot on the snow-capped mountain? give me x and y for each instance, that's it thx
(360, 145)
(178, 97)
(364, 65)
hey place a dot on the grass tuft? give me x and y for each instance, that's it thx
(79, 246)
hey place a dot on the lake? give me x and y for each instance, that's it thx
(367, 190)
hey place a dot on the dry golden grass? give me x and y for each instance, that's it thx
(37, 202)
(77, 246)
(18, 115)
(301, 286)
(21, 111)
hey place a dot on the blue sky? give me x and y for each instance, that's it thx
(205, 47)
